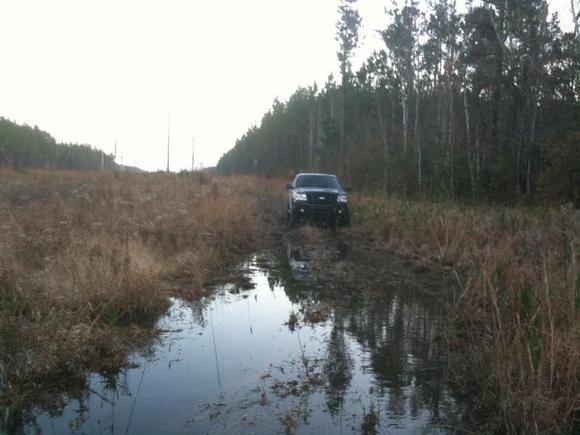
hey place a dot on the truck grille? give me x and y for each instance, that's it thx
(321, 198)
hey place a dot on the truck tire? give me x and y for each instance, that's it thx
(290, 219)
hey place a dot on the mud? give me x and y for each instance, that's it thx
(319, 334)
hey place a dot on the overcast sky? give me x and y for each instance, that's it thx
(102, 71)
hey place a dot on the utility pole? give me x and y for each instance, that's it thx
(192, 154)
(115, 158)
(168, 118)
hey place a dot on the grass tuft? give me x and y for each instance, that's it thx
(515, 303)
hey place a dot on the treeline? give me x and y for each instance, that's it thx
(480, 104)
(22, 146)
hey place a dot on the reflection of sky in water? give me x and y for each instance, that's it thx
(213, 370)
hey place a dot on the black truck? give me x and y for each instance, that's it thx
(317, 198)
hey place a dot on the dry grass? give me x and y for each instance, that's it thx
(312, 234)
(515, 305)
(84, 259)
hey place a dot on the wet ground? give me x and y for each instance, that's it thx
(319, 342)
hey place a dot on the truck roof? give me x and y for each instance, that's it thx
(315, 173)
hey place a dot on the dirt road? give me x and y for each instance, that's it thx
(323, 335)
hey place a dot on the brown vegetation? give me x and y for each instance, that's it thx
(515, 305)
(87, 262)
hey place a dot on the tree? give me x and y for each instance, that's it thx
(22, 146)
(484, 104)
(348, 38)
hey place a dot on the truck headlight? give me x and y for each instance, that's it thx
(299, 196)
(342, 199)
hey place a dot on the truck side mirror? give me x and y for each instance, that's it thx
(289, 186)
(348, 189)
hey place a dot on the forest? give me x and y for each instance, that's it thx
(25, 147)
(473, 105)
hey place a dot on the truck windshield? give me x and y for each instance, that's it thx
(325, 181)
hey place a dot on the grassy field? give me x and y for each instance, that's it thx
(513, 300)
(87, 262)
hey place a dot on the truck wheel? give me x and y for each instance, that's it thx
(332, 224)
(346, 222)
(290, 219)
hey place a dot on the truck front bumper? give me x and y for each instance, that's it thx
(321, 213)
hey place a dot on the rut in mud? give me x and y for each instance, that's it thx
(324, 336)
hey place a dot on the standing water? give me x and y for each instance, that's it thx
(290, 355)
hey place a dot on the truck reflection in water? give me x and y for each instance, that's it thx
(299, 263)
(301, 258)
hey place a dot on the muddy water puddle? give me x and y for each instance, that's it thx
(291, 355)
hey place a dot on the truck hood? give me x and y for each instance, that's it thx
(319, 190)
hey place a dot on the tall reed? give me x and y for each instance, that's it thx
(514, 305)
